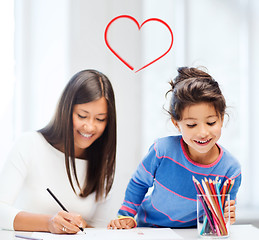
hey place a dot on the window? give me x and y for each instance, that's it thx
(7, 76)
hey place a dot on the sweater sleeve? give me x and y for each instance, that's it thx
(237, 177)
(141, 181)
(12, 177)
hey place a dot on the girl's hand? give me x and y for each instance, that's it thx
(122, 223)
(232, 211)
(66, 223)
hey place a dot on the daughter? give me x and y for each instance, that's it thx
(197, 110)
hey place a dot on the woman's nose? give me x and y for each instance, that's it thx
(89, 126)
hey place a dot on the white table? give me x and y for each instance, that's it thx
(237, 232)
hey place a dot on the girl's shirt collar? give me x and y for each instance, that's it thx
(198, 164)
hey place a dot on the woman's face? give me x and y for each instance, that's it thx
(89, 122)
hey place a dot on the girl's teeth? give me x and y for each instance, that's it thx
(202, 141)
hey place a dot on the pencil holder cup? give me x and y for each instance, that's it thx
(211, 221)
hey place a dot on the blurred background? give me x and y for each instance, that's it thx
(44, 42)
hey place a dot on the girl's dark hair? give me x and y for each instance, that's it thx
(192, 86)
(86, 86)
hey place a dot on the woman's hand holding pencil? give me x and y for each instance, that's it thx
(66, 223)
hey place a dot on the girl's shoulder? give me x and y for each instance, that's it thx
(167, 144)
(229, 156)
(230, 162)
(168, 140)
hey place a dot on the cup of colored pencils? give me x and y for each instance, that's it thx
(211, 202)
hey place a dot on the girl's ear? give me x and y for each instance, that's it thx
(175, 124)
(222, 121)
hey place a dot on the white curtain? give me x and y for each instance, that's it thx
(6, 76)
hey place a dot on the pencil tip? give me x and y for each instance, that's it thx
(83, 230)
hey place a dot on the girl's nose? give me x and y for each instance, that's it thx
(203, 131)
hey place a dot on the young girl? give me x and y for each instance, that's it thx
(197, 110)
(73, 156)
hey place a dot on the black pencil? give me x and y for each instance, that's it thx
(61, 205)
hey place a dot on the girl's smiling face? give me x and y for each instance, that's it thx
(89, 122)
(200, 128)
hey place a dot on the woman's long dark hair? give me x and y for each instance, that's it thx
(86, 86)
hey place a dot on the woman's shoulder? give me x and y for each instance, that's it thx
(25, 147)
(28, 140)
(31, 136)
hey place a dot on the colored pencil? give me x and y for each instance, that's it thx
(231, 185)
(218, 194)
(212, 201)
(221, 224)
(223, 193)
(206, 198)
(207, 201)
(206, 210)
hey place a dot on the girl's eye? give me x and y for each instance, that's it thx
(211, 123)
(80, 116)
(191, 125)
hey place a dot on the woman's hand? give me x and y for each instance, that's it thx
(122, 223)
(66, 223)
(232, 211)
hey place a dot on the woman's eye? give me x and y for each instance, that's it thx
(191, 125)
(101, 120)
(211, 123)
(80, 116)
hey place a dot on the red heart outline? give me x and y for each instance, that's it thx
(139, 27)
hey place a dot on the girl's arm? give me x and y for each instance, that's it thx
(141, 181)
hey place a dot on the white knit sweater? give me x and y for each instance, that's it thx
(34, 165)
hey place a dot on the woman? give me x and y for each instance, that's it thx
(74, 156)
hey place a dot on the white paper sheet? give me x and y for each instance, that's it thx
(105, 234)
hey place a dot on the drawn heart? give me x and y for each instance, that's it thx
(139, 27)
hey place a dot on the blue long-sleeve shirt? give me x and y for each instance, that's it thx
(168, 169)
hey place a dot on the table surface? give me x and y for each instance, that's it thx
(237, 232)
